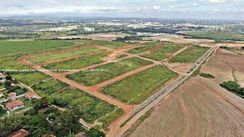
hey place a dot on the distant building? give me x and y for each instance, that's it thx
(89, 29)
(14, 105)
(12, 96)
(2, 76)
(20, 133)
(30, 95)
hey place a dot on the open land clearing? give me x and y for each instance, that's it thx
(226, 65)
(95, 73)
(198, 108)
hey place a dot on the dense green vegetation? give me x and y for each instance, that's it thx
(233, 87)
(77, 63)
(62, 55)
(146, 47)
(10, 63)
(89, 107)
(190, 55)
(218, 36)
(46, 88)
(3, 111)
(108, 71)
(46, 122)
(206, 75)
(137, 88)
(163, 52)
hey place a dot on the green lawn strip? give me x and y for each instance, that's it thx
(108, 71)
(136, 88)
(146, 47)
(90, 107)
(77, 63)
(190, 55)
(163, 52)
(48, 87)
(30, 78)
(62, 55)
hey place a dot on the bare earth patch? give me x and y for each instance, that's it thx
(199, 108)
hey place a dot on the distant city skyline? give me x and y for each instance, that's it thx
(198, 9)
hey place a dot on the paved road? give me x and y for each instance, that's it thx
(117, 130)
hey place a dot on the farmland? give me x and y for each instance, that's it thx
(128, 90)
(108, 71)
(190, 55)
(89, 107)
(163, 52)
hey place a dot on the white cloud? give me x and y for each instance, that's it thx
(222, 1)
(156, 7)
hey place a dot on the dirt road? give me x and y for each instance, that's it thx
(199, 108)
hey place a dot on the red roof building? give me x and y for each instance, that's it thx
(14, 105)
(20, 133)
(12, 96)
(30, 95)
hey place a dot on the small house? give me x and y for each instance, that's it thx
(1, 94)
(14, 105)
(12, 96)
(20, 133)
(30, 95)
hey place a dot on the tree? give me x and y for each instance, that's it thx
(94, 132)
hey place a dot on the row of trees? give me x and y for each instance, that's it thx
(233, 87)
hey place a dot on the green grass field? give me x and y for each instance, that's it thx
(163, 52)
(90, 107)
(218, 36)
(62, 55)
(10, 63)
(30, 78)
(135, 89)
(48, 87)
(113, 45)
(17, 47)
(146, 47)
(78, 63)
(190, 55)
(108, 71)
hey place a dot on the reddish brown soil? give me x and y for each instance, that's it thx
(199, 108)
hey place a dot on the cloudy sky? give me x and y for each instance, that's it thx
(202, 9)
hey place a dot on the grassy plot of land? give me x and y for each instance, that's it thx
(48, 87)
(30, 78)
(78, 63)
(163, 52)
(10, 63)
(190, 55)
(146, 47)
(62, 55)
(108, 71)
(217, 35)
(113, 45)
(138, 87)
(110, 117)
(16, 47)
(90, 107)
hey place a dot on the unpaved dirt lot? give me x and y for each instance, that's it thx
(226, 65)
(199, 108)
